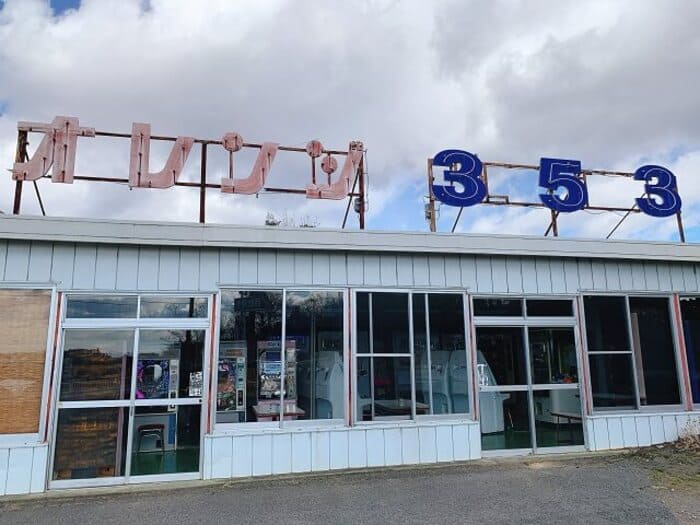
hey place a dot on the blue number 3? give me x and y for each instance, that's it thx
(560, 173)
(664, 187)
(465, 169)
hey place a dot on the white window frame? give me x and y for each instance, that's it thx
(308, 424)
(135, 324)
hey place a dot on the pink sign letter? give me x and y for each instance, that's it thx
(139, 171)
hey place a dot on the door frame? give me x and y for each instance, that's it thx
(134, 325)
(524, 323)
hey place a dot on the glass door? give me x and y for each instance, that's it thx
(527, 374)
(167, 412)
(130, 389)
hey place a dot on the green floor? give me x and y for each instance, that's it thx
(169, 462)
(547, 436)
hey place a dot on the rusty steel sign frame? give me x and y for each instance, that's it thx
(57, 152)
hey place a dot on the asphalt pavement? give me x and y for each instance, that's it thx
(585, 490)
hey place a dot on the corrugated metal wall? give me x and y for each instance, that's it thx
(150, 268)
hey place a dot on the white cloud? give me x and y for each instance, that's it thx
(611, 83)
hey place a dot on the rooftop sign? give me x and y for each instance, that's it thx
(57, 153)
(465, 184)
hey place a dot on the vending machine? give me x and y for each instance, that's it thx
(231, 387)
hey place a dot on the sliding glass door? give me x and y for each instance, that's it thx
(130, 390)
(527, 374)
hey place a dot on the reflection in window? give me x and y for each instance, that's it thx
(500, 356)
(250, 360)
(441, 372)
(173, 307)
(654, 351)
(384, 388)
(101, 306)
(97, 365)
(553, 355)
(390, 323)
(315, 326)
(549, 308)
(498, 307)
(90, 443)
(606, 324)
(612, 382)
(170, 364)
(690, 310)
(384, 385)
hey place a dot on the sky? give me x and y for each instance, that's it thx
(610, 83)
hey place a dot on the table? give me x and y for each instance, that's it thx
(265, 413)
(569, 417)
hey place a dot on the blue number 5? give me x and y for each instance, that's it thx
(561, 173)
(664, 188)
(465, 169)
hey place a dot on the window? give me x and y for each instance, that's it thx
(250, 371)
(631, 352)
(549, 308)
(399, 377)
(441, 367)
(690, 312)
(24, 327)
(498, 307)
(654, 351)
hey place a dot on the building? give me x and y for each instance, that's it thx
(137, 352)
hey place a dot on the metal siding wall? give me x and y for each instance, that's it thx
(153, 268)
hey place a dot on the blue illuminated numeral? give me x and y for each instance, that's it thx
(464, 169)
(561, 173)
(664, 187)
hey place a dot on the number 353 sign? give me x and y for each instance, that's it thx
(563, 180)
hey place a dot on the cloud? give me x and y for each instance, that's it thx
(609, 83)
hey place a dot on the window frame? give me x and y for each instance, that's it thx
(257, 426)
(19, 439)
(524, 323)
(673, 320)
(135, 324)
(683, 360)
(414, 418)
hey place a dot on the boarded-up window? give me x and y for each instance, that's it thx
(24, 322)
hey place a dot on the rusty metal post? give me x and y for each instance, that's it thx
(20, 156)
(681, 231)
(431, 198)
(555, 227)
(203, 185)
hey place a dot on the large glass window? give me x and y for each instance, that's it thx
(385, 355)
(24, 326)
(250, 372)
(654, 351)
(690, 311)
(631, 352)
